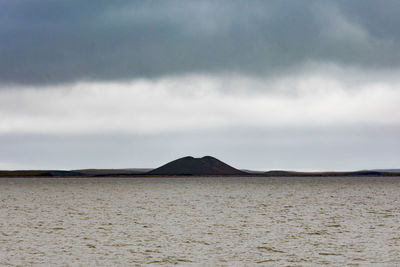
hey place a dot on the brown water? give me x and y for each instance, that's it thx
(200, 221)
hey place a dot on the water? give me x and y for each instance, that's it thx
(200, 221)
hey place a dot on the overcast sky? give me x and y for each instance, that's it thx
(304, 85)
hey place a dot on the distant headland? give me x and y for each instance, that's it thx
(189, 166)
(196, 166)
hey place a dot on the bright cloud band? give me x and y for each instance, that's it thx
(196, 102)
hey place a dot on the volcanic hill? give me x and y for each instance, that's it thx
(196, 166)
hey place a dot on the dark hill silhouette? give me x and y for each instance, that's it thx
(196, 166)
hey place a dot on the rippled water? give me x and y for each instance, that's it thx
(200, 221)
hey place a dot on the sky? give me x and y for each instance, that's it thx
(293, 85)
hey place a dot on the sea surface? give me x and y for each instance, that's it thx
(200, 221)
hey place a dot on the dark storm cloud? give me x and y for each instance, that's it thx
(44, 42)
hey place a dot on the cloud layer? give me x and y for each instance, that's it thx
(198, 102)
(286, 84)
(54, 42)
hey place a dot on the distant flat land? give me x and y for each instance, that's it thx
(189, 166)
(124, 173)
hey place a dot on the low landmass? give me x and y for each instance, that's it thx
(190, 166)
(196, 166)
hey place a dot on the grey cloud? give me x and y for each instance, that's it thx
(50, 42)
